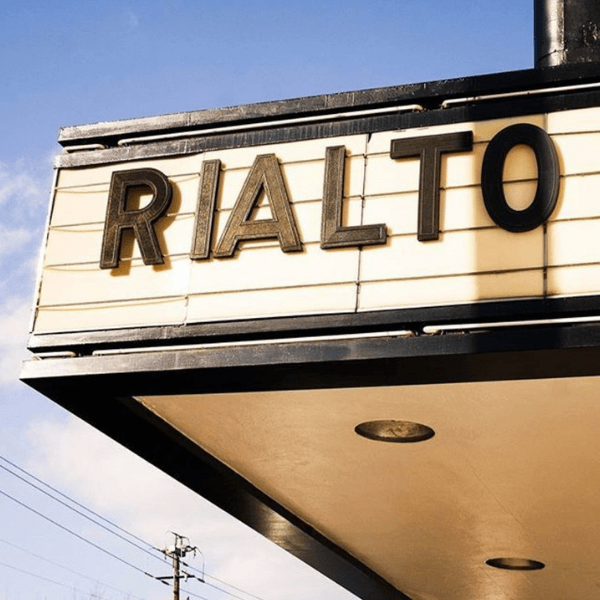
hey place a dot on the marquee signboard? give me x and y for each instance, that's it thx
(243, 296)
(443, 215)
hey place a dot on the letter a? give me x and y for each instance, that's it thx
(266, 176)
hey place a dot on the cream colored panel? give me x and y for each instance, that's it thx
(170, 311)
(573, 242)
(520, 194)
(171, 167)
(307, 150)
(87, 204)
(269, 267)
(385, 175)
(520, 163)
(81, 205)
(578, 153)
(304, 181)
(71, 244)
(483, 131)
(567, 281)
(459, 252)
(464, 168)
(463, 208)
(578, 197)
(76, 284)
(568, 121)
(308, 219)
(450, 290)
(272, 303)
(399, 212)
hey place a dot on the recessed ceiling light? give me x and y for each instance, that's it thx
(515, 564)
(402, 432)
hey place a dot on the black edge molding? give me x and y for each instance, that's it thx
(413, 319)
(265, 134)
(491, 354)
(429, 94)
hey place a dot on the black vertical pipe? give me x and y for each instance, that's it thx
(566, 31)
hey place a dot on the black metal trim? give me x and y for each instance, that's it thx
(414, 319)
(429, 94)
(473, 112)
(530, 352)
(566, 32)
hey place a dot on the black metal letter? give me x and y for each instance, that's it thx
(141, 221)
(266, 176)
(333, 234)
(492, 185)
(205, 209)
(430, 150)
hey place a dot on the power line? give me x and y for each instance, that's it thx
(229, 585)
(203, 574)
(76, 534)
(12, 464)
(36, 576)
(223, 582)
(110, 553)
(68, 569)
(216, 587)
(194, 595)
(79, 512)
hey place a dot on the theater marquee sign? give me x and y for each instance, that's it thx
(238, 294)
(458, 213)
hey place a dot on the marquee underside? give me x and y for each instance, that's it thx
(511, 471)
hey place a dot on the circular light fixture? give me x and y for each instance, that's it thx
(400, 432)
(515, 564)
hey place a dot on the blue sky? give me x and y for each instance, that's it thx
(73, 62)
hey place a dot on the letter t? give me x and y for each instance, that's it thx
(430, 150)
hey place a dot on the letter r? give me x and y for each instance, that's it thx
(141, 221)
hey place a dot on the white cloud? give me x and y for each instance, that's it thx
(22, 214)
(142, 499)
(20, 186)
(133, 20)
(13, 239)
(15, 314)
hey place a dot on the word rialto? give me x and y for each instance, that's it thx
(266, 176)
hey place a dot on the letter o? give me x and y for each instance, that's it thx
(546, 194)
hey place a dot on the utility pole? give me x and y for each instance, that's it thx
(176, 552)
(176, 574)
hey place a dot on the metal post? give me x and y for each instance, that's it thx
(566, 32)
(176, 574)
(178, 551)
